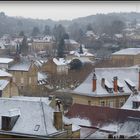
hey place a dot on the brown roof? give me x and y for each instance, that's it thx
(99, 115)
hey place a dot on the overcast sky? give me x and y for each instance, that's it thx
(65, 10)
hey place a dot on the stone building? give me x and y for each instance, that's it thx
(126, 57)
(107, 87)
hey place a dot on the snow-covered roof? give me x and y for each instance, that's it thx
(90, 33)
(31, 116)
(5, 74)
(108, 73)
(48, 38)
(70, 41)
(128, 51)
(130, 128)
(2, 45)
(26, 98)
(3, 84)
(61, 61)
(5, 60)
(129, 103)
(23, 66)
(118, 35)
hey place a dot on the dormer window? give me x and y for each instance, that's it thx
(9, 120)
(136, 104)
(108, 87)
(130, 84)
(120, 86)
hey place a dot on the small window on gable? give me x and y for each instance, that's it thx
(36, 127)
(136, 105)
(89, 102)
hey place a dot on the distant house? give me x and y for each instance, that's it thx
(107, 87)
(126, 57)
(5, 63)
(7, 87)
(55, 66)
(84, 57)
(71, 45)
(24, 74)
(31, 117)
(45, 44)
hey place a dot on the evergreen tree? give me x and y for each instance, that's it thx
(81, 50)
(21, 34)
(60, 50)
(47, 30)
(24, 46)
(35, 31)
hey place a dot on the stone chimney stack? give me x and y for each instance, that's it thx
(58, 121)
(94, 82)
(139, 80)
(115, 84)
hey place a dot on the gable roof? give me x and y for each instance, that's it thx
(128, 51)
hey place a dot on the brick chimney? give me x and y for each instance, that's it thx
(139, 80)
(94, 82)
(115, 84)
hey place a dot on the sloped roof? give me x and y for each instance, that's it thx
(70, 41)
(5, 60)
(98, 116)
(3, 84)
(128, 51)
(130, 73)
(23, 66)
(5, 74)
(59, 62)
(130, 127)
(31, 115)
(129, 103)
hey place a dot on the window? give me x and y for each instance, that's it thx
(102, 103)
(14, 79)
(37, 127)
(22, 87)
(111, 103)
(22, 80)
(135, 104)
(89, 102)
(30, 80)
(121, 103)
